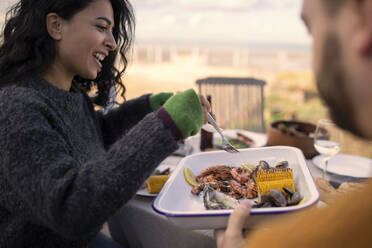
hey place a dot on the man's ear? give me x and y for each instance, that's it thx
(54, 26)
(364, 34)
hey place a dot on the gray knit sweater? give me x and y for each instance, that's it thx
(64, 170)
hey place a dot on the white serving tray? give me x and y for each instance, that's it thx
(182, 208)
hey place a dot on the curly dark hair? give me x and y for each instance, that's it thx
(28, 50)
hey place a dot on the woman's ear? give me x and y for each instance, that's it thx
(54, 26)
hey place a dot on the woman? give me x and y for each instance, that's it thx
(65, 169)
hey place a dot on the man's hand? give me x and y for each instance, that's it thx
(233, 237)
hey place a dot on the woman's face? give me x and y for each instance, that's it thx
(86, 40)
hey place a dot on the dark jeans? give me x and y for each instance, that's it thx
(102, 241)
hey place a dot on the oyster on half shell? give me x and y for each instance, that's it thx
(216, 200)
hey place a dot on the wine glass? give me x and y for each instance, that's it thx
(327, 140)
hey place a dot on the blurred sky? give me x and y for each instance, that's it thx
(217, 21)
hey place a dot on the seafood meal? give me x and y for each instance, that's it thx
(222, 186)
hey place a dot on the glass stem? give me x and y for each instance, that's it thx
(325, 167)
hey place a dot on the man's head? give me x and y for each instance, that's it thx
(342, 44)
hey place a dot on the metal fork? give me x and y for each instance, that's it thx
(225, 144)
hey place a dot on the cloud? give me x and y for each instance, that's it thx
(215, 20)
(215, 5)
(220, 20)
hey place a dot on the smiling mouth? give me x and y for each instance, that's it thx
(99, 58)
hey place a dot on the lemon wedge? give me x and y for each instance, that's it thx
(190, 177)
(155, 183)
(249, 167)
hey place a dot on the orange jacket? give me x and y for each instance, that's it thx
(345, 223)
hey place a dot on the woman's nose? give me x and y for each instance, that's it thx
(110, 42)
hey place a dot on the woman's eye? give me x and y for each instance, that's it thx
(101, 28)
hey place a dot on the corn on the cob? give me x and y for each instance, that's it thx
(274, 179)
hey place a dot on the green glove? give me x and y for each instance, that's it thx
(157, 100)
(186, 111)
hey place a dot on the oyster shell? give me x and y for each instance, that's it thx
(216, 200)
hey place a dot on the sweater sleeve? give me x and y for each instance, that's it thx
(63, 194)
(346, 223)
(119, 120)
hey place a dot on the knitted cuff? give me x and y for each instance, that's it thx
(163, 115)
(186, 111)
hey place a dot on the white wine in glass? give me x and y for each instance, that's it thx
(327, 147)
(327, 140)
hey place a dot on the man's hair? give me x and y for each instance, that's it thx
(333, 6)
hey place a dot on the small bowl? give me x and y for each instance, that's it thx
(302, 139)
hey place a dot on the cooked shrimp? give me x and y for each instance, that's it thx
(240, 175)
(244, 190)
(218, 169)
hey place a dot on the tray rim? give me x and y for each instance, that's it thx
(262, 211)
